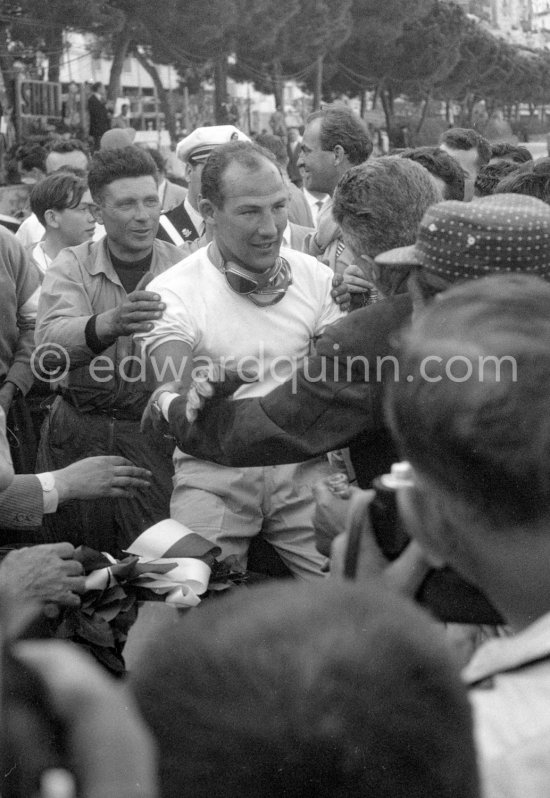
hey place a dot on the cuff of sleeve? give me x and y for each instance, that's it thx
(314, 248)
(164, 401)
(50, 495)
(92, 341)
(21, 376)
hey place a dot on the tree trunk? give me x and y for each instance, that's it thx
(220, 89)
(162, 94)
(6, 66)
(470, 102)
(374, 98)
(318, 85)
(387, 107)
(277, 83)
(53, 39)
(121, 43)
(363, 109)
(424, 113)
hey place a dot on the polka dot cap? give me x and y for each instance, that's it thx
(499, 234)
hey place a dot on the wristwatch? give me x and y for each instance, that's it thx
(49, 492)
(158, 421)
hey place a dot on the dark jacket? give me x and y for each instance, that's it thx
(334, 400)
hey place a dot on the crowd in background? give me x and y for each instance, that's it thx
(246, 351)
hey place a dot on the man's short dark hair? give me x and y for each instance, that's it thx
(333, 691)
(157, 158)
(464, 138)
(58, 191)
(532, 179)
(110, 165)
(32, 157)
(512, 152)
(484, 439)
(276, 145)
(379, 205)
(490, 175)
(67, 145)
(247, 154)
(97, 86)
(441, 165)
(340, 126)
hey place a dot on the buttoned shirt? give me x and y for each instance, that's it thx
(510, 696)
(80, 283)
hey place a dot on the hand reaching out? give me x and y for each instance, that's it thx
(96, 477)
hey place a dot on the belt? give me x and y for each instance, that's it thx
(116, 413)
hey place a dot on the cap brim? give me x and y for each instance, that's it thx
(200, 157)
(400, 256)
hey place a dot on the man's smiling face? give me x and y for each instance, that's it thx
(249, 226)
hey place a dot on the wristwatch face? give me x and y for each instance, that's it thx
(48, 482)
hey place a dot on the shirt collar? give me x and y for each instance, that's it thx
(161, 188)
(194, 215)
(41, 258)
(508, 653)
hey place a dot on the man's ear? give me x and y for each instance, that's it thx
(50, 217)
(339, 154)
(207, 210)
(419, 514)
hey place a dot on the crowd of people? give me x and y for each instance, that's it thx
(247, 355)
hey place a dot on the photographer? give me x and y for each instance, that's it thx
(479, 499)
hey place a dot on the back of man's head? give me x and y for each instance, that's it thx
(514, 153)
(463, 138)
(531, 179)
(332, 691)
(490, 176)
(158, 158)
(68, 152)
(340, 126)
(110, 165)
(247, 154)
(380, 201)
(442, 166)
(276, 145)
(474, 418)
(32, 157)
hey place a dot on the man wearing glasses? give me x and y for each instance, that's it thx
(244, 304)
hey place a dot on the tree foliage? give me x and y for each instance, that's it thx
(306, 32)
(420, 49)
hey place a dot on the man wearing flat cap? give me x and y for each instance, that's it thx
(184, 223)
(330, 403)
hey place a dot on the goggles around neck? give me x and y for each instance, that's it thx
(262, 289)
